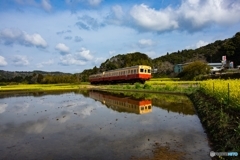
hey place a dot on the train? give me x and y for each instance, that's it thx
(138, 73)
(122, 104)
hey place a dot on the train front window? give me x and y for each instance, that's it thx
(149, 71)
(141, 70)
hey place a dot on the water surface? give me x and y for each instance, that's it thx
(99, 125)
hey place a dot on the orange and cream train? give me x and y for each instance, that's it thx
(139, 73)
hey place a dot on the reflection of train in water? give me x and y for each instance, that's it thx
(139, 73)
(122, 104)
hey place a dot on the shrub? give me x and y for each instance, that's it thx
(137, 85)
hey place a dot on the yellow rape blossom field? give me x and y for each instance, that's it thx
(226, 91)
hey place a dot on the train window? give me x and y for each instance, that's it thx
(128, 71)
(141, 70)
(131, 71)
(149, 71)
(145, 71)
(149, 107)
(142, 108)
(134, 70)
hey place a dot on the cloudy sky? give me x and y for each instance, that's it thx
(73, 35)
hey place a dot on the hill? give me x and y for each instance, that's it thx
(211, 53)
(164, 64)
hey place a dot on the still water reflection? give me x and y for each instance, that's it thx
(98, 125)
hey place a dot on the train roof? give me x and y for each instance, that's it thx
(126, 68)
(120, 69)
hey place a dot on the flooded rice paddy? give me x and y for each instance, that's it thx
(100, 125)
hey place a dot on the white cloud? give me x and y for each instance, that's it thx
(78, 58)
(46, 5)
(10, 36)
(2, 61)
(71, 59)
(42, 64)
(90, 2)
(118, 12)
(26, 2)
(84, 53)
(116, 16)
(35, 39)
(146, 42)
(3, 108)
(94, 2)
(62, 48)
(152, 19)
(201, 43)
(20, 60)
(201, 13)
(112, 53)
(189, 15)
(99, 60)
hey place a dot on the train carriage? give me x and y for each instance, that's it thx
(139, 73)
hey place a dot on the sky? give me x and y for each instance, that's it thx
(73, 35)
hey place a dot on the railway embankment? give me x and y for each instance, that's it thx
(221, 123)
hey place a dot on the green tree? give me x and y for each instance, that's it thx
(39, 78)
(194, 70)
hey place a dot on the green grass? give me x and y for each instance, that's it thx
(163, 87)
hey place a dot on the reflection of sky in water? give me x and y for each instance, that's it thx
(3, 108)
(69, 126)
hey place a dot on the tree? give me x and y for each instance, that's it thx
(165, 68)
(39, 78)
(194, 70)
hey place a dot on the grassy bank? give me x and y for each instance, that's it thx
(168, 87)
(221, 122)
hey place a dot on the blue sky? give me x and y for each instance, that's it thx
(73, 35)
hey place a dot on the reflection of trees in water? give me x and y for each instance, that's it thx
(184, 107)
